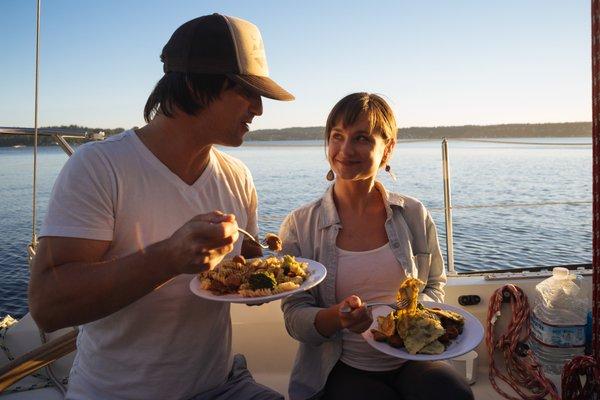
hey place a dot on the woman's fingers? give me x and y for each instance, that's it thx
(354, 315)
(363, 320)
(353, 301)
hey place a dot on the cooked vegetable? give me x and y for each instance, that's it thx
(232, 276)
(262, 280)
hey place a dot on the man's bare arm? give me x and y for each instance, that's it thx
(71, 283)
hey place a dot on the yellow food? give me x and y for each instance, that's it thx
(418, 329)
(255, 278)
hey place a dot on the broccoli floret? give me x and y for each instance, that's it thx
(287, 263)
(262, 280)
(288, 260)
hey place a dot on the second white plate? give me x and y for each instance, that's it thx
(470, 338)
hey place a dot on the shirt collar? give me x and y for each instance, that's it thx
(330, 216)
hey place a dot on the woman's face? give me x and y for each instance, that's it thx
(354, 153)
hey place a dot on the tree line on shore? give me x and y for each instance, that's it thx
(564, 129)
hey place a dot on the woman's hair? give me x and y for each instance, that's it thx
(377, 110)
(189, 92)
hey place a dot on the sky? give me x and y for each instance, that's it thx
(439, 63)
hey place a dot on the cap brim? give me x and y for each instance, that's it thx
(263, 86)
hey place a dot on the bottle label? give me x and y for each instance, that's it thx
(557, 336)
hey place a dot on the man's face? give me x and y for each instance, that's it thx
(231, 114)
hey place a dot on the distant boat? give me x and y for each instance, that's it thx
(18, 146)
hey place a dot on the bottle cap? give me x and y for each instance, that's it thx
(560, 271)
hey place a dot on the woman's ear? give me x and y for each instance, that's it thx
(389, 149)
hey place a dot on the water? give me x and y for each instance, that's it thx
(288, 174)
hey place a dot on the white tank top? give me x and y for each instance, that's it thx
(374, 276)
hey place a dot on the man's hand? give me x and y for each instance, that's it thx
(358, 319)
(202, 242)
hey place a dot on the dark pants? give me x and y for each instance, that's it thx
(415, 380)
(239, 386)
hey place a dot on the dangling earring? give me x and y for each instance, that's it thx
(330, 176)
(388, 169)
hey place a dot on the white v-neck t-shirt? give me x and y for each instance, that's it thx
(374, 276)
(170, 344)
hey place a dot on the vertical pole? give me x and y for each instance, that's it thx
(35, 127)
(596, 176)
(448, 210)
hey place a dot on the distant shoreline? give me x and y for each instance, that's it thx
(564, 129)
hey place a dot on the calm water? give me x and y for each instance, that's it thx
(288, 174)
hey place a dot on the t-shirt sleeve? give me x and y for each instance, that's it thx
(82, 201)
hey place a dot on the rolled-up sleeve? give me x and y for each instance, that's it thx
(299, 310)
(434, 289)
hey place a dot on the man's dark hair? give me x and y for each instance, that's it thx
(188, 92)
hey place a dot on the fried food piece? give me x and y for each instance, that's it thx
(395, 341)
(420, 331)
(379, 336)
(273, 242)
(387, 324)
(445, 339)
(448, 315)
(434, 347)
(452, 332)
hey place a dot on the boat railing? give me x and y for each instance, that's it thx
(448, 206)
(60, 135)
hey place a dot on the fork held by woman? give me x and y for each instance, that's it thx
(398, 305)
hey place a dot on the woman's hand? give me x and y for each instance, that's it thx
(359, 319)
(331, 320)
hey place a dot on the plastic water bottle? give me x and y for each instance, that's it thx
(558, 320)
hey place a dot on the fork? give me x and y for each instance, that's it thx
(397, 305)
(252, 238)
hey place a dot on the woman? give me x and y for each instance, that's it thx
(370, 240)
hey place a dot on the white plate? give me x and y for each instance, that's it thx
(316, 276)
(470, 338)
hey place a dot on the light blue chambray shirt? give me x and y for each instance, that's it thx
(311, 232)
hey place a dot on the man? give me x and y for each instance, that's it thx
(132, 217)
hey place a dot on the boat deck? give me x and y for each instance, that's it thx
(259, 333)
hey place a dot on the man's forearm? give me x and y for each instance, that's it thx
(80, 292)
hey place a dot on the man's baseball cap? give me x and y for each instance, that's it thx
(219, 44)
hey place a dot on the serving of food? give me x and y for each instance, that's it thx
(423, 330)
(257, 280)
(273, 242)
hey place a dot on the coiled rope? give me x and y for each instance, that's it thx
(572, 387)
(522, 369)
